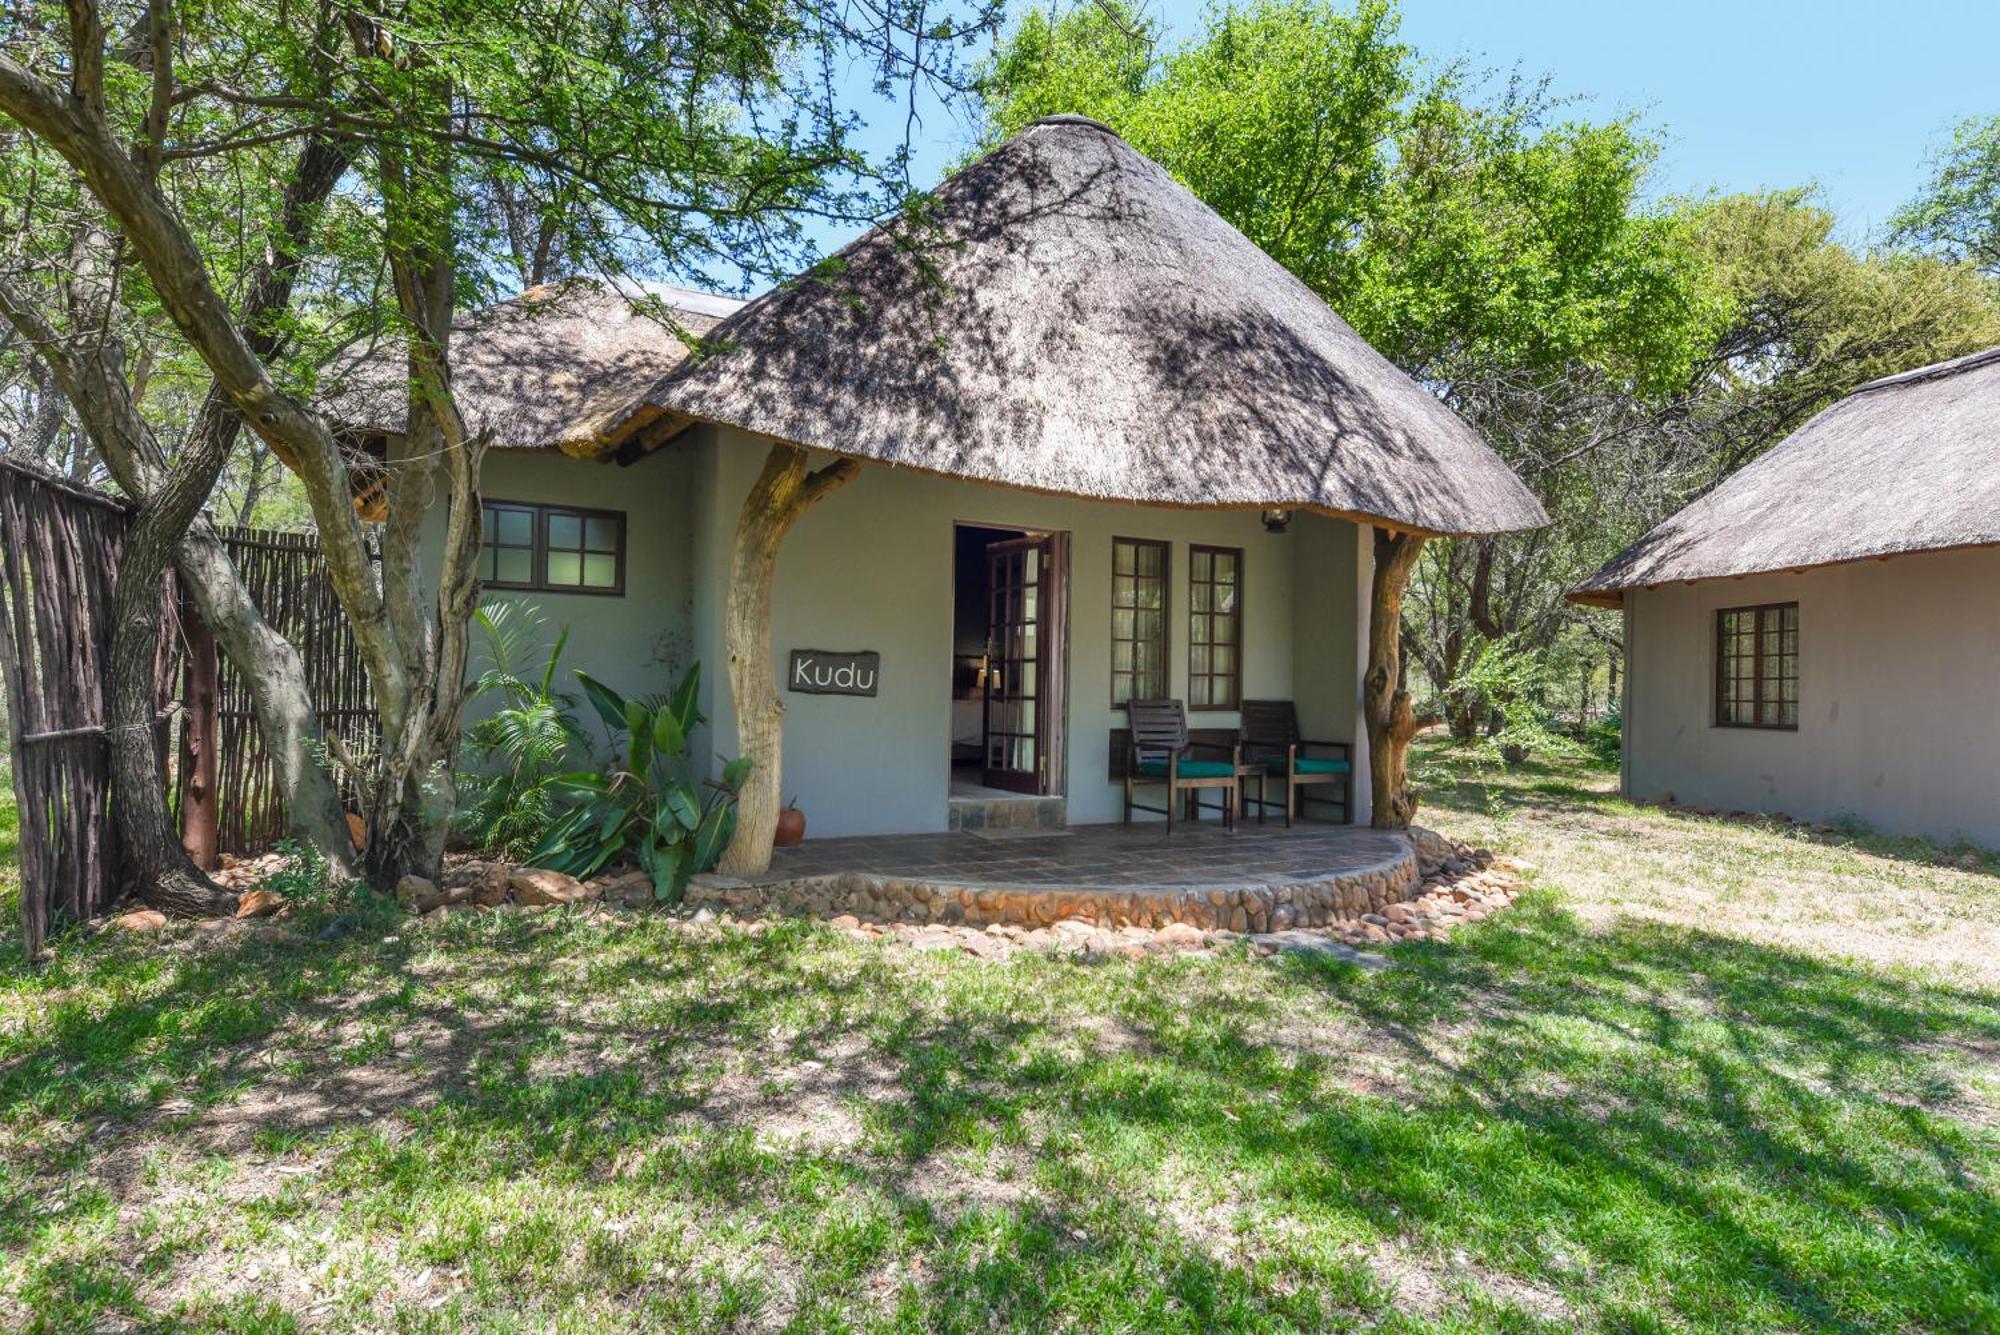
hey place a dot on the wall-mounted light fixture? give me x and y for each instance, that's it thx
(1277, 521)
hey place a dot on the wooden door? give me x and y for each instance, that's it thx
(1017, 646)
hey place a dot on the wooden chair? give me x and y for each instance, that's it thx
(1160, 752)
(1271, 739)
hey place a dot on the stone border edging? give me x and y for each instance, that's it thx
(1263, 906)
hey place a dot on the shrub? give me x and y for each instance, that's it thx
(517, 753)
(303, 873)
(1605, 737)
(649, 805)
(1514, 683)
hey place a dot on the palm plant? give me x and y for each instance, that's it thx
(518, 752)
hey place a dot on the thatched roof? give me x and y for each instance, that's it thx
(1080, 323)
(1908, 463)
(550, 369)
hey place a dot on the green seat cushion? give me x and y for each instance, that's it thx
(1316, 765)
(1189, 769)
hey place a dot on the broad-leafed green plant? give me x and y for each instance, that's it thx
(1513, 682)
(649, 804)
(517, 754)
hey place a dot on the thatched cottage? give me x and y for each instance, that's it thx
(1108, 450)
(1820, 635)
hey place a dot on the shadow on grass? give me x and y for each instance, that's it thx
(1632, 1122)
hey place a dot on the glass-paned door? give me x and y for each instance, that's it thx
(1017, 730)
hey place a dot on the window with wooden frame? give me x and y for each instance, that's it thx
(1215, 627)
(1757, 666)
(1138, 619)
(552, 548)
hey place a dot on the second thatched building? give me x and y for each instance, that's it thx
(1819, 636)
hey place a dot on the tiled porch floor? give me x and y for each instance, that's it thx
(1100, 856)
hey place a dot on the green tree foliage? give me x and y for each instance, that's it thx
(1957, 213)
(1811, 318)
(1460, 231)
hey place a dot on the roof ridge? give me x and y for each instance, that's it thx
(1076, 119)
(1935, 371)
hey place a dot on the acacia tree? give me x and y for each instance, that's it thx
(1956, 215)
(678, 134)
(64, 293)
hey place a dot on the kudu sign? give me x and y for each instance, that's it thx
(820, 672)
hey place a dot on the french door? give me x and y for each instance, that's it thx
(1021, 582)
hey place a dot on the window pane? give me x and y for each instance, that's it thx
(1124, 591)
(1124, 558)
(514, 528)
(1150, 560)
(600, 534)
(565, 568)
(486, 564)
(515, 566)
(1757, 666)
(600, 571)
(565, 531)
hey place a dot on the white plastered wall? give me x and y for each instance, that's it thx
(1899, 697)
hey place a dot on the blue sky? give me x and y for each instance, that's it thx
(1745, 94)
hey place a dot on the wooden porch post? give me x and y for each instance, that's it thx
(783, 491)
(1391, 718)
(200, 736)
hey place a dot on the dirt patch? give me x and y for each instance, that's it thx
(1433, 1285)
(818, 1103)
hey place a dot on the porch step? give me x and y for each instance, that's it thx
(1008, 813)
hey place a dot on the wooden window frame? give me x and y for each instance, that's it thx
(1235, 676)
(1764, 685)
(540, 514)
(1166, 549)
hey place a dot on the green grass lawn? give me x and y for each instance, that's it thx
(1646, 1099)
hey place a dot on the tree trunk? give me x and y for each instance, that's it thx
(1385, 704)
(414, 796)
(165, 878)
(783, 492)
(275, 676)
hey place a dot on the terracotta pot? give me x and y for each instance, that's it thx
(791, 827)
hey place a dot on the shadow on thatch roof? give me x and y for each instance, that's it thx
(1908, 463)
(1072, 320)
(549, 369)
